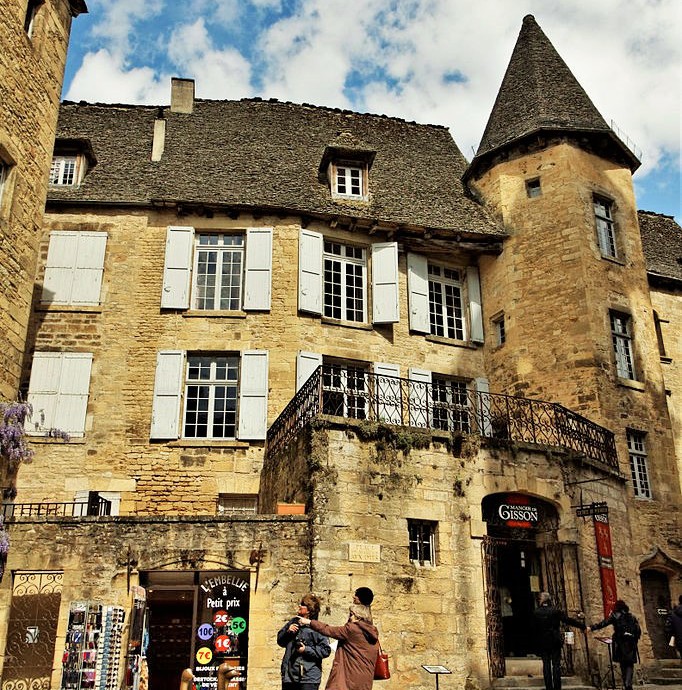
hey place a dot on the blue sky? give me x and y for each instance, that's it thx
(432, 61)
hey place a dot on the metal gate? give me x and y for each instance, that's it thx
(561, 577)
(29, 652)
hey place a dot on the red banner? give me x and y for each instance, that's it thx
(607, 575)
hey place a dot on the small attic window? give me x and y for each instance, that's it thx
(70, 161)
(349, 180)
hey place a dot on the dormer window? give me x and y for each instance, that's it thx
(349, 181)
(72, 158)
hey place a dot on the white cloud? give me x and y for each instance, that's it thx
(103, 75)
(217, 73)
(116, 21)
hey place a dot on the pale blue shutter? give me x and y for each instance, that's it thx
(419, 397)
(43, 390)
(253, 395)
(74, 387)
(418, 292)
(483, 406)
(306, 364)
(177, 267)
(258, 269)
(170, 368)
(475, 311)
(310, 271)
(87, 279)
(61, 260)
(387, 392)
(385, 299)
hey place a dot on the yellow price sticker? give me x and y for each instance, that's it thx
(204, 655)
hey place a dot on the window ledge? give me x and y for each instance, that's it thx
(39, 437)
(613, 260)
(211, 314)
(632, 384)
(644, 499)
(348, 324)
(74, 308)
(207, 443)
(666, 360)
(450, 341)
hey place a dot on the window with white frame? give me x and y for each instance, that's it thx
(74, 268)
(30, 17)
(211, 387)
(345, 389)
(345, 282)
(237, 504)
(422, 541)
(621, 335)
(446, 311)
(65, 170)
(444, 301)
(216, 396)
(606, 231)
(348, 181)
(214, 271)
(58, 392)
(450, 404)
(638, 463)
(218, 272)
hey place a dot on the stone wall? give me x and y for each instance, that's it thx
(31, 74)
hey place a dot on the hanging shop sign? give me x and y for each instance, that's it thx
(607, 574)
(518, 511)
(222, 633)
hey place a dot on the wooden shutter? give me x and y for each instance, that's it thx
(418, 292)
(253, 395)
(258, 269)
(310, 271)
(387, 392)
(306, 364)
(475, 312)
(170, 368)
(58, 391)
(177, 267)
(420, 397)
(87, 279)
(74, 386)
(385, 300)
(483, 406)
(59, 270)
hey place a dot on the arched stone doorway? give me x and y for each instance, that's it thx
(522, 556)
(655, 574)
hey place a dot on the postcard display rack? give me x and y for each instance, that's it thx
(93, 647)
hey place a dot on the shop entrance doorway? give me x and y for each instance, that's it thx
(170, 615)
(657, 604)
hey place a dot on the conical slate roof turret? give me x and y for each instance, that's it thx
(540, 94)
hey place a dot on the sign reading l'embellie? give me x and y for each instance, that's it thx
(362, 552)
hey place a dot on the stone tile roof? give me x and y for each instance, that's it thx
(255, 154)
(662, 244)
(540, 93)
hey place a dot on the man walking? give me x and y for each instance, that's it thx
(550, 640)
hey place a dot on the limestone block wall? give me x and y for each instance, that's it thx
(93, 555)
(556, 291)
(31, 75)
(125, 332)
(365, 490)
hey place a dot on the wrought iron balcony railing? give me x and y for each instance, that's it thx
(100, 506)
(442, 404)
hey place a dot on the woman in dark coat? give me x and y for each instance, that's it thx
(676, 625)
(626, 634)
(304, 649)
(356, 654)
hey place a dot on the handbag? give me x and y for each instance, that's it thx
(381, 670)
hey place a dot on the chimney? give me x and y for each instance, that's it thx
(182, 95)
(159, 140)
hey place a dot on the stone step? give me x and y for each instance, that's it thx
(668, 672)
(533, 682)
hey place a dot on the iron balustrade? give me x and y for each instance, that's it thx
(442, 405)
(98, 507)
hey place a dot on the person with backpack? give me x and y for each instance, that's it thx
(626, 634)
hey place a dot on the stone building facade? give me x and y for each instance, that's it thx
(298, 348)
(34, 37)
